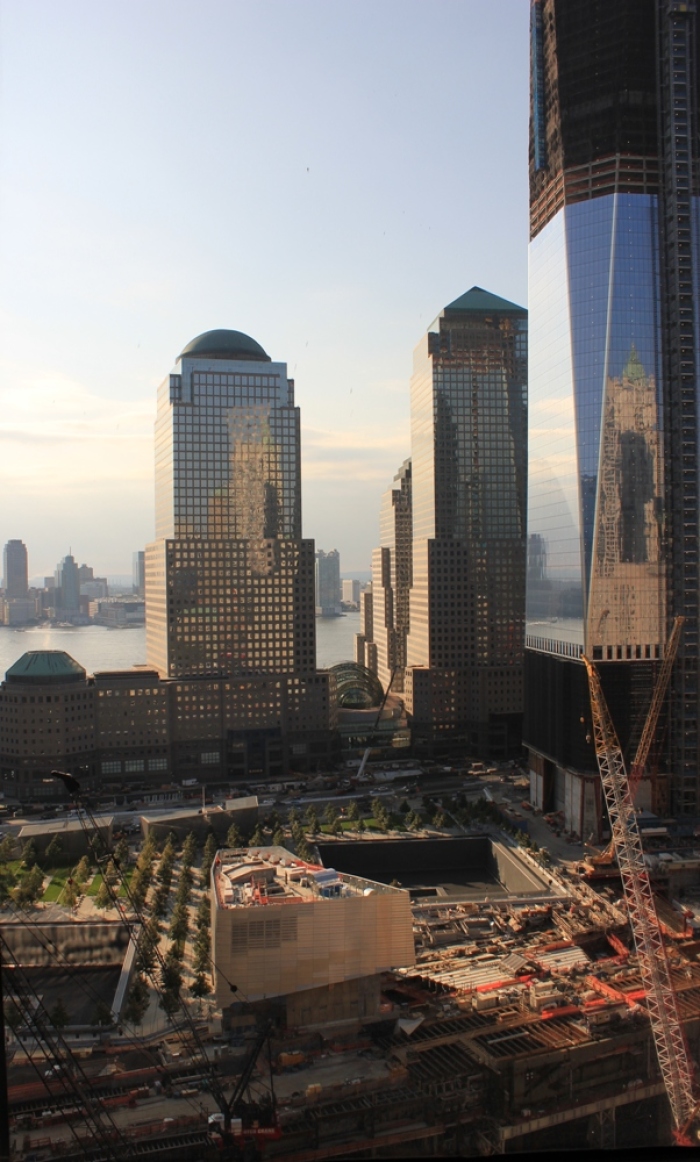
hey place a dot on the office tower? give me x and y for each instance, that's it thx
(138, 573)
(68, 586)
(15, 570)
(365, 648)
(328, 583)
(392, 573)
(351, 592)
(467, 601)
(229, 580)
(613, 504)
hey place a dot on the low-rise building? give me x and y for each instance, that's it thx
(286, 929)
(117, 729)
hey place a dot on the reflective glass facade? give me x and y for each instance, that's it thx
(469, 454)
(229, 581)
(596, 500)
(614, 497)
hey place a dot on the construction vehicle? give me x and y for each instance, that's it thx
(606, 857)
(661, 1001)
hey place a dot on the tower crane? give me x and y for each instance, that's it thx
(639, 761)
(661, 1001)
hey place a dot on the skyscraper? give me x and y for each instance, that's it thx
(67, 586)
(469, 454)
(328, 583)
(15, 570)
(229, 580)
(613, 502)
(392, 574)
(138, 570)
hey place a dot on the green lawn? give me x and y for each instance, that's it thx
(55, 888)
(95, 885)
(126, 881)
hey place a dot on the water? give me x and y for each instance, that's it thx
(97, 648)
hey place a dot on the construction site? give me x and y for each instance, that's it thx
(453, 996)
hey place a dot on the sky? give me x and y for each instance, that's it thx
(324, 175)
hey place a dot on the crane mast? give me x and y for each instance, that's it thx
(661, 1001)
(642, 754)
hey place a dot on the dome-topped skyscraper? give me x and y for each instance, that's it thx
(229, 581)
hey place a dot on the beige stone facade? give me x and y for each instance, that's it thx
(281, 926)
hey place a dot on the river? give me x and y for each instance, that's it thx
(99, 648)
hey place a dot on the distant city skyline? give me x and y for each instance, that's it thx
(329, 230)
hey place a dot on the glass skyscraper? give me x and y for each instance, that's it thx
(468, 453)
(229, 579)
(613, 514)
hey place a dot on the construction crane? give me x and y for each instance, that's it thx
(649, 730)
(661, 1001)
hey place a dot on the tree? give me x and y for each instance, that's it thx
(103, 899)
(53, 852)
(8, 880)
(148, 943)
(189, 849)
(112, 874)
(29, 854)
(353, 811)
(330, 814)
(82, 871)
(204, 913)
(29, 888)
(70, 894)
(293, 816)
(179, 924)
(7, 849)
(59, 1016)
(439, 818)
(210, 849)
(137, 1002)
(257, 839)
(311, 819)
(159, 902)
(278, 838)
(201, 951)
(361, 825)
(121, 853)
(233, 837)
(404, 806)
(102, 1014)
(200, 986)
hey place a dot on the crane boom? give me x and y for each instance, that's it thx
(661, 1001)
(640, 758)
(649, 730)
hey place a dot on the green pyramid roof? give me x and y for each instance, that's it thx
(41, 666)
(480, 300)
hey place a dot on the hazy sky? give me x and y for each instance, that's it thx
(324, 175)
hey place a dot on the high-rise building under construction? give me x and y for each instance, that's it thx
(614, 349)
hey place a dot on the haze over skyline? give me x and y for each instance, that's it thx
(323, 177)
